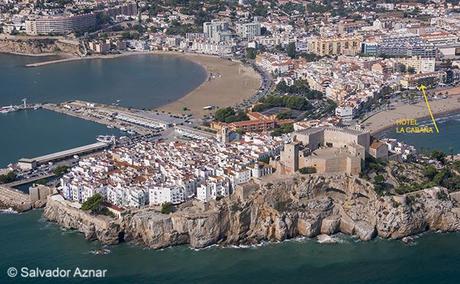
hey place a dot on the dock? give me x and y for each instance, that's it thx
(126, 119)
(31, 163)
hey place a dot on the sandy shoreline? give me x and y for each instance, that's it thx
(228, 83)
(384, 120)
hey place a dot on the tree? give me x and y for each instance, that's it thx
(60, 170)
(284, 129)
(402, 68)
(93, 203)
(222, 114)
(438, 155)
(291, 50)
(379, 179)
(282, 87)
(307, 170)
(285, 115)
(229, 115)
(166, 208)
(251, 53)
(411, 70)
(429, 172)
(379, 184)
(7, 178)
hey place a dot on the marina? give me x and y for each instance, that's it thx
(23, 106)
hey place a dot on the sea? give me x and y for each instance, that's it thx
(141, 81)
(28, 242)
(447, 140)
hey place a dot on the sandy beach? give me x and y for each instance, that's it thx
(386, 119)
(228, 83)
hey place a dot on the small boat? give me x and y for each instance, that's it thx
(110, 126)
(105, 138)
(7, 109)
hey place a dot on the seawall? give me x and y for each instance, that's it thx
(12, 198)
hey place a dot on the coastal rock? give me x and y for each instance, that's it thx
(364, 230)
(153, 229)
(309, 226)
(287, 208)
(330, 225)
(31, 46)
(102, 228)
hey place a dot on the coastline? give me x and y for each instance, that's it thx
(382, 121)
(228, 82)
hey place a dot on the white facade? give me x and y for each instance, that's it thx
(172, 194)
(248, 30)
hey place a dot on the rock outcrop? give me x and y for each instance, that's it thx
(32, 46)
(297, 206)
(102, 228)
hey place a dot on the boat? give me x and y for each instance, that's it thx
(105, 138)
(110, 126)
(7, 109)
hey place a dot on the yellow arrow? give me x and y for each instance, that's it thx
(422, 88)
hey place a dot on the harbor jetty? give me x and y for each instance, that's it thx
(126, 119)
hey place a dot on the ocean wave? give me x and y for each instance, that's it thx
(333, 239)
(101, 251)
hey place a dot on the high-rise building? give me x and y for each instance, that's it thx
(215, 29)
(63, 24)
(248, 30)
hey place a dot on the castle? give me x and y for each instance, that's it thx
(327, 149)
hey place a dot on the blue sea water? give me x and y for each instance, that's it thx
(141, 81)
(447, 140)
(28, 241)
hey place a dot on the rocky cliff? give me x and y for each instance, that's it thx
(102, 228)
(32, 46)
(297, 206)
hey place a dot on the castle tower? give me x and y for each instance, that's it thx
(224, 135)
